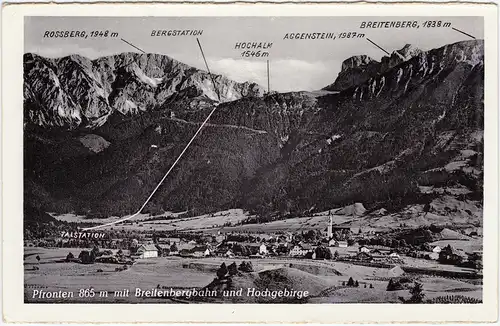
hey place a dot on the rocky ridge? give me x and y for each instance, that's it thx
(358, 69)
(74, 91)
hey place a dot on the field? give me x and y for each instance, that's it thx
(146, 274)
(354, 215)
(167, 221)
(218, 221)
(326, 278)
(463, 245)
(297, 224)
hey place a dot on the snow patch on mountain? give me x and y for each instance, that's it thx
(153, 82)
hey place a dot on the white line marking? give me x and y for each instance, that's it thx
(161, 181)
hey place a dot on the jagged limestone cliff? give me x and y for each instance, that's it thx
(75, 92)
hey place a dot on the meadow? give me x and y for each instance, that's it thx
(327, 278)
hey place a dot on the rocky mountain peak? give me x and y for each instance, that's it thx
(358, 69)
(356, 62)
(355, 70)
(395, 76)
(408, 51)
(398, 56)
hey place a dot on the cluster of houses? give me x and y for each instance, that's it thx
(283, 244)
(445, 255)
(286, 245)
(224, 248)
(377, 254)
(232, 249)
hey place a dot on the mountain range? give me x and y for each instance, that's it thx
(74, 91)
(100, 134)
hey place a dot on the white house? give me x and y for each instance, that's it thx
(147, 251)
(263, 249)
(219, 238)
(342, 244)
(175, 240)
(436, 249)
(333, 243)
(298, 251)
(364, 249)
(201, 252)
(434, 256)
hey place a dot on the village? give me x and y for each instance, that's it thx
(335, 255)
(406, 247)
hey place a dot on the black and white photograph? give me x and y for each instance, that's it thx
(262, 160)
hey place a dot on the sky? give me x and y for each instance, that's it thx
(294, 64)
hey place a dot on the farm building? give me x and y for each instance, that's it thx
(300, 250)
(364, 249)
(147, 251)
(163, 250)
(342, 244)
(184, 245)
(394, 255)
(333, 243)
(434, 256)
(452, 255)
(185, 253)
(221, 250)
(249, 248)
(436, 249)
(363, 256)
(220, 238)
(169, 240)
(200, 251)
(263, 249)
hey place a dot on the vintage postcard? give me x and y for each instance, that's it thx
(244, 158)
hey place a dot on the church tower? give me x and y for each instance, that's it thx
(330, 225)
